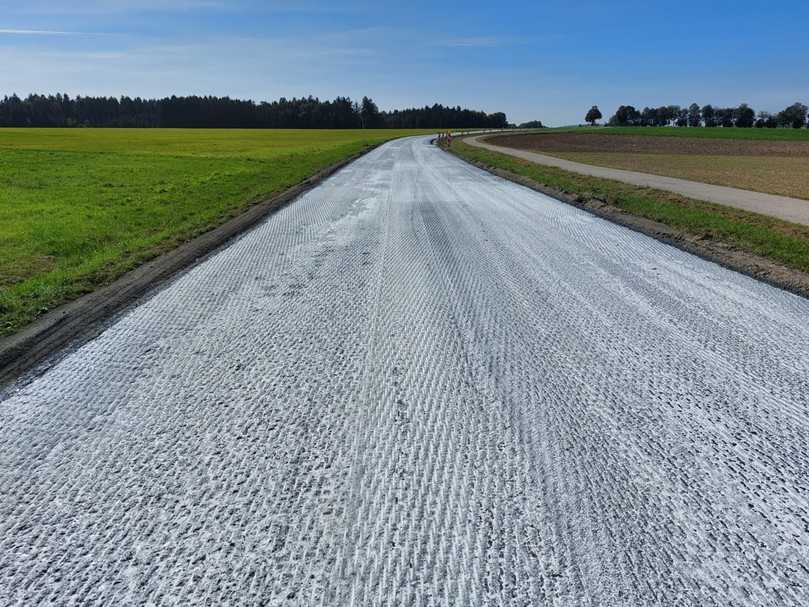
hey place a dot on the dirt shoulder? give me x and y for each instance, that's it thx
(638, 144)
(713, 229)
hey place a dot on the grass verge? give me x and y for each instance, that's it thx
(700, 223)
(80, 207)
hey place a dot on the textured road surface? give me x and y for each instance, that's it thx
(421, 385)
(782, 207)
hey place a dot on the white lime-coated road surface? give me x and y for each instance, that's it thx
(420, 384)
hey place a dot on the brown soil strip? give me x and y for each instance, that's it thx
(725, 255)
(639, 144)
(84, 318)
(779, 175)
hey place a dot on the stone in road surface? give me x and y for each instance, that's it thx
(421, 385)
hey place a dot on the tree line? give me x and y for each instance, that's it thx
(794, 116)
(61, 110)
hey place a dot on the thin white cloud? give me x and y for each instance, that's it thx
(23, 32)
(471, 42)
(112, 7)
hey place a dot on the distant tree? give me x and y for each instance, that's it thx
(694, 116)
(724, 116)
(766, 120)
(682, 117)
(744, 116)
(709, 115)
(626, 115)
(593, 115)
(663, 116)
(794, 116)
(673, 112)
(648, 117)
(532, 124)
(369, 113)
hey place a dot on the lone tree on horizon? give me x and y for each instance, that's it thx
(593, 115)
(369, 113)
(794, 116)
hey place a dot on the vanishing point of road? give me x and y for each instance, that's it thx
(420, 384)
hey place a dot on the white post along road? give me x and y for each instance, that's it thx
(420, 384)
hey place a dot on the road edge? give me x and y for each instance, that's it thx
(749, 264)
(84, 318)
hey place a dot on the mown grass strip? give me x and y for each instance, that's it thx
(773, 239)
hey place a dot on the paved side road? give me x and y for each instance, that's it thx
(781, 207)
(421, 385)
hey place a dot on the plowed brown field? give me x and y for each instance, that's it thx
(774, 167)
(639, 144)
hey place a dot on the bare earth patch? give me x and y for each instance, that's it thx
(774, 167)
(639, 144)
(771, 174)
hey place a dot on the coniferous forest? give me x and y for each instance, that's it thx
(223, 112)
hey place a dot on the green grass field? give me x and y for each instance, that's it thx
(777, 240)
(79, 207)
(710, 133)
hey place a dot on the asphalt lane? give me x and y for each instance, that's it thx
(420, 384)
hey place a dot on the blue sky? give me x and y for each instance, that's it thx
(547, 60)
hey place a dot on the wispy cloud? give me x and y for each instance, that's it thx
(471, 42)
(101, 7)
(24, 32)
(133, 7)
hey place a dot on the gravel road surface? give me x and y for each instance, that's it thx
(421, 385)
(794, 210)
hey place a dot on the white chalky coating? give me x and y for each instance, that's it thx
(421, 385)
